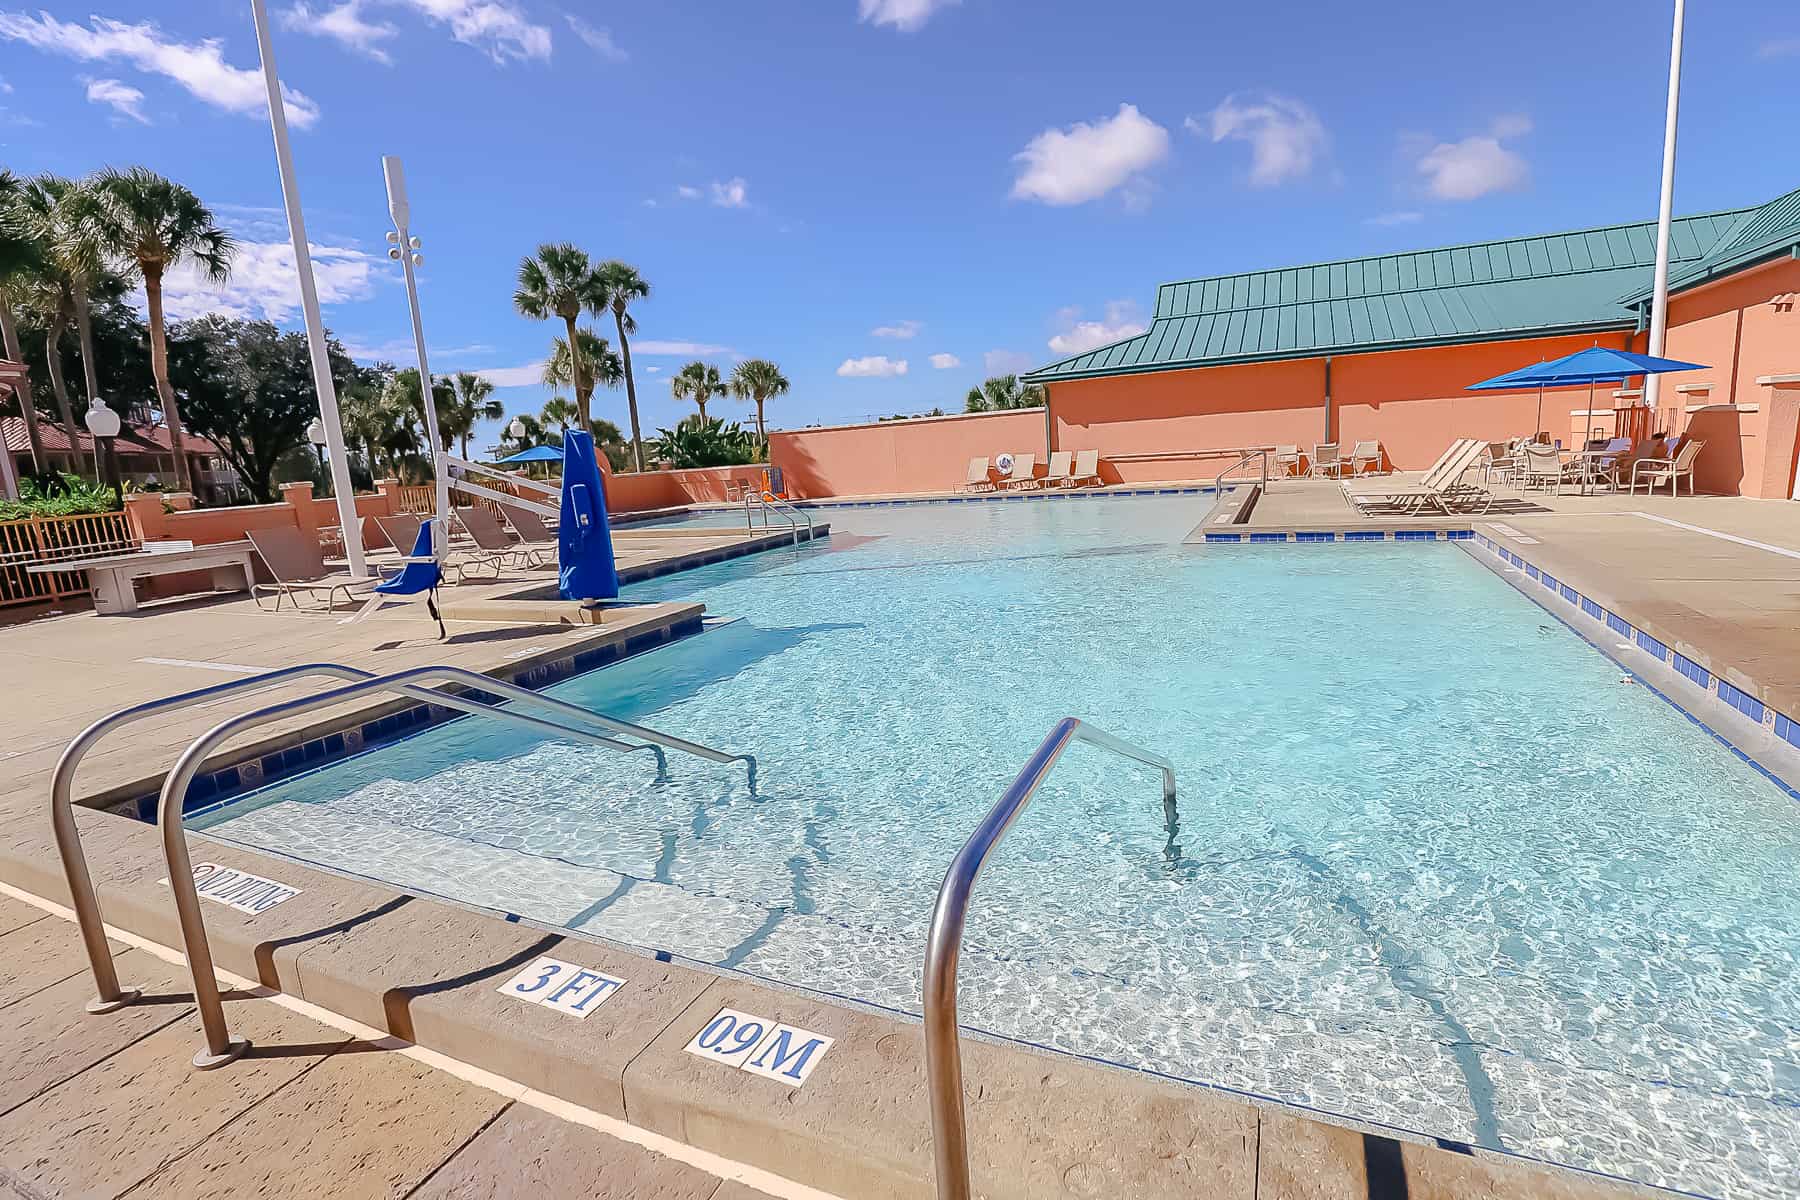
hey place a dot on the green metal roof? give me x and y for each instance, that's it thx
(1761, 233)
(1554, 283)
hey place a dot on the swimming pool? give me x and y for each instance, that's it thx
(1437, 866)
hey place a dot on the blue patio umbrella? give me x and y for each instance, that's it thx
(535, 454)
(1596, 364)
(584, 547)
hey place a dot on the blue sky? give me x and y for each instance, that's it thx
(846, 186)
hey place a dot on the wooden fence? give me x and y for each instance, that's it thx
(37, 540)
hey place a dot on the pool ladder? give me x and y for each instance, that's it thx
(766, 503)
(554, 717)
(943, 945)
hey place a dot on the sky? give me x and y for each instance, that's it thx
(892, 199)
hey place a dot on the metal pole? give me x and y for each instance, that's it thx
(309, 301)
(1659, 300)
(401, 211)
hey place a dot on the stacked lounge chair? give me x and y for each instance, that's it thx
(1447, 486)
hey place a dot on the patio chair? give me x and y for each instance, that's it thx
(402, 529)
(1024, 474)
(1325, 461)
(1284, 461)
(1611, 459)
(1059, 471)
(297, 565)
(1503, 461)
(1364, 454)
(1544, 466)
(1087, 468)
(1444, 487)
(1652, 471)
(529, 526)
(977, 480)
(494, 547)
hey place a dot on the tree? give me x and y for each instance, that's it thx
(699, 382)
(623, 285)
(474, 403)
(559, 281)
(156, 225)
(758, 381)
(558, 416)
(1003, 392)
(403, 396)
(49, 290)
(248, 386)
(20, 259)
(704, 442)
(599, 365)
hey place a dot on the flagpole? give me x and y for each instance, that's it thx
(1659, 300)
(341, 486)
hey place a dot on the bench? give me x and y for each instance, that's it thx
(110, 576)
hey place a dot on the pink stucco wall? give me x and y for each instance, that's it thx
(927, 454)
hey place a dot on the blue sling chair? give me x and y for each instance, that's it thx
(421, 574)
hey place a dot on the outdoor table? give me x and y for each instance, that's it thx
(110, 576)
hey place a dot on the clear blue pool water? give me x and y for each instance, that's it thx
(1437, 865)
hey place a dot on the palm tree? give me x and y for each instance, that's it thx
(758, 380)
(622, 285)
(21, 258)
(557, 412)
(50, 290)
(559, 281)
(474, 403)
(79, 249)
(599, 365)
(155, 224)
(699, 382)
(408, 406)
(1003, 392)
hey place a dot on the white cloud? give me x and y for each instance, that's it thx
(401, 351)
(907, 16)
(528, 375)
(679, 349)
(730, 194)
(687, 193)
(1477, 165)
(264, 283)
(943, 362)
(1005, 362)
(1286, 137)
(1395, 218)
(599, 40)
(1779, 48)
(1123, 320)
(498, 27)
(899, 329)
(124, 99)
(4, 86)
(653, 369)
(199, 67)
(1086, 161)
(876, 366)
(343, 24)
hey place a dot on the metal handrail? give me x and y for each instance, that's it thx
(220, 1049)
(82, 897)
(1219, 482)
(943, 1051)
(793, 514)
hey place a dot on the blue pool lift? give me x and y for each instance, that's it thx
(420, 576)
(584, 547)
(1596, 364)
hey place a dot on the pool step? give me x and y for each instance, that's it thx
(1233, 507)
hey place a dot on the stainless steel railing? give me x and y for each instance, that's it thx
(768, 503)
(220, 1048)
(1219, 481)
(943, 946)
(82, 897)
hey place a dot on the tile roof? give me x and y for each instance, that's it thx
(1759, 234)
(134, 439)
(1515, 287)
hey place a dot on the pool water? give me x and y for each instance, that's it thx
(1438, 865)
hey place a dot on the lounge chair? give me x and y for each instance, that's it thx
(1325, 461)
(978, 480)
(297, 565)
(529, 526)
(1445, 487)
(1087, 468)
(1652, 471)
(1059, 472)
(494, 547)
(1023, 477)
(1364, 454)
(1284, 461)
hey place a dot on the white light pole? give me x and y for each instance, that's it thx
(341, 486)
(1659, 299)
(406, 248)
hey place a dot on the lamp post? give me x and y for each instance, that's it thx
(1659, 299)
(309, 300)
(404, 247)
(103, 425)
(315, 433)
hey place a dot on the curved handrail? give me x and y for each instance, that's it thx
(793, 514)
(943, 1052)
(1219, 481)
(220, 1049)
(82, 897)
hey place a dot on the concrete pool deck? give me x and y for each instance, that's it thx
(428, 973)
